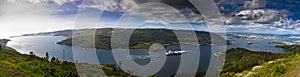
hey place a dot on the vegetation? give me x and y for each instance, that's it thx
(286, 67)
(238, 60)
(244, 63)
(289, 48)
(113, 70)
(141, 38)
(14, 64)
(3, 42)
(198, 74)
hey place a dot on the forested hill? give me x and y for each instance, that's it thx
(245, 63)
(141, 38)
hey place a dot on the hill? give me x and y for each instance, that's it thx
(140, 38)
(14, 64)
(238, 60)
(285, 67)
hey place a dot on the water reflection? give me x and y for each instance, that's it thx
(42, 44)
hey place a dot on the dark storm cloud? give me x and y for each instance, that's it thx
(259, 13)
(152, 13)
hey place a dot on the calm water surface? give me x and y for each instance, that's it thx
(42, 44)
(260, 45)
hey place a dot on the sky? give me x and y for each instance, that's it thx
(32, 16)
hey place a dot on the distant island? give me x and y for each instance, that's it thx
(140, 38)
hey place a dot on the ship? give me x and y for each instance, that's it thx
(169, 53)
(250, 43)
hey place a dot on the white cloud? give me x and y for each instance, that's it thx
(159, 13)
(153, 14)
(255, 4)
(267, 16)
(282, 26)
(109, 5)
(262, 15)
(60, 2)
(20, 17)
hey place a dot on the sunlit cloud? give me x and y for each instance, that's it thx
(20, 16)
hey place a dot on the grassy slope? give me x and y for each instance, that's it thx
(285, 67)
(15, 64)
(238, 60)
(244, 63)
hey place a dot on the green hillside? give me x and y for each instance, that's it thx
(140, 38)
(282, 67)
(14, 64)
(245, 63)
(238, 60)
(285, 67)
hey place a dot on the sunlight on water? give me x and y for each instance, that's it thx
(6, 35)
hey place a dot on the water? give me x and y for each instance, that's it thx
(263, 45)
(39, 45)
(260, 45)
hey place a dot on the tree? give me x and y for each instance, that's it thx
(31, 53)
(53, 59)
(76, 61)
(4, 41)
(56, 59)
(63, 55)
(47, 56)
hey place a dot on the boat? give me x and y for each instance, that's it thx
(249, 43)
(169, 53)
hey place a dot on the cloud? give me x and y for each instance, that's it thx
(283, 26)
(152, 13)
(255, 4)
(262, 15)
(109, 5)
(2, 2)
(123, 5)
(248, 14)
(60, 2)
(286, 23)
(258, 15)
(20, 17)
